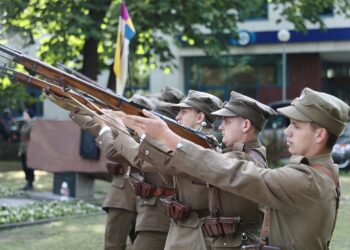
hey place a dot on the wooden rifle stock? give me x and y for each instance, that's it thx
(113, 101)
(43, 85)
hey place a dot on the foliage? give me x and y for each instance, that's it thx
(81, 33)
(44, 210)
(7, 192)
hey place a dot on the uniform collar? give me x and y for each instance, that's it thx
(244, 146)
(324, 158)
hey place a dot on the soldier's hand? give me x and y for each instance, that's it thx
(154, 127)
(62, 102)
(115, 118)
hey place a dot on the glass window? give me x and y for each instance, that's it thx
(244, 74)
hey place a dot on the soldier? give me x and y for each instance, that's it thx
(302, 197)
(152, 224)
(191, 198)
(120, 202)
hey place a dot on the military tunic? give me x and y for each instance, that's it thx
(151, 221)
(302, 198)
(234, 205)
(120, 202)
(190, 191)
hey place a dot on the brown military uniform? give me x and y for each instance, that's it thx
(152, 224)
(292, 204)
(232, 205)
(182, 234)
(120, 202)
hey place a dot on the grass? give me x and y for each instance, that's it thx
(87, 232)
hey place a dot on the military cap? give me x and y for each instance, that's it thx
(169, 94)
(247, 108)
(142, 100)
(325, 110)
(164, 108)
(204, 102)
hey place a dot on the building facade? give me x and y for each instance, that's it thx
(254, 65)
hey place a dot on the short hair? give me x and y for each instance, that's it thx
(332, 138)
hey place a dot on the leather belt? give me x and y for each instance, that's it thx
(162, 192)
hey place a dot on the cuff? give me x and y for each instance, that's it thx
(104, 129)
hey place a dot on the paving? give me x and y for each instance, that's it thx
(10, 202)
(31, 197)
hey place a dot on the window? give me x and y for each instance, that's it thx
(244, 74)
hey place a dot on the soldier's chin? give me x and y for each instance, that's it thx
(291, 151)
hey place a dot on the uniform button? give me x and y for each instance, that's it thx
(100, 142)
(144, 202)
(225, 244)
(147, 152)
(179, 145)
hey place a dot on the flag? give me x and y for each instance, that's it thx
(126, 32)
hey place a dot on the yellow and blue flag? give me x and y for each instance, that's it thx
(126, 32)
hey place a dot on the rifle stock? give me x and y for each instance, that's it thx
(43, 85)
(113, 101)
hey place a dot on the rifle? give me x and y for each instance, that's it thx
(113, 101)
(75, 73)
(47, 87)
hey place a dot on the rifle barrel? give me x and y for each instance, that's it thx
(113, 101)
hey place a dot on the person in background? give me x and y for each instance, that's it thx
(28, 114)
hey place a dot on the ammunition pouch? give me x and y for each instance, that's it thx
(116, 169)
(146, 190)
(260, 247)
(220, 226)
(143, 189)
(175, 209)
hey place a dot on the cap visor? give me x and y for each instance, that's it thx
(224, 112)
(292, 113)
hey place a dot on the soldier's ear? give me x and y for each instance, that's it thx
(200, 117)
(321, 134)
(246, 125)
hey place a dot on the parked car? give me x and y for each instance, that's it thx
(341, 149)
(272, 136)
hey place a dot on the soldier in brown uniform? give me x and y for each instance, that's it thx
(235, 220)
(303, 196)
(152, 224)
(194, 112)
(120, 202)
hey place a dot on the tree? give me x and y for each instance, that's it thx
(81, 33)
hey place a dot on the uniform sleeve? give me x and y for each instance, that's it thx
(86, 122)
(128, 148)
(106, 143)
(277, 188)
